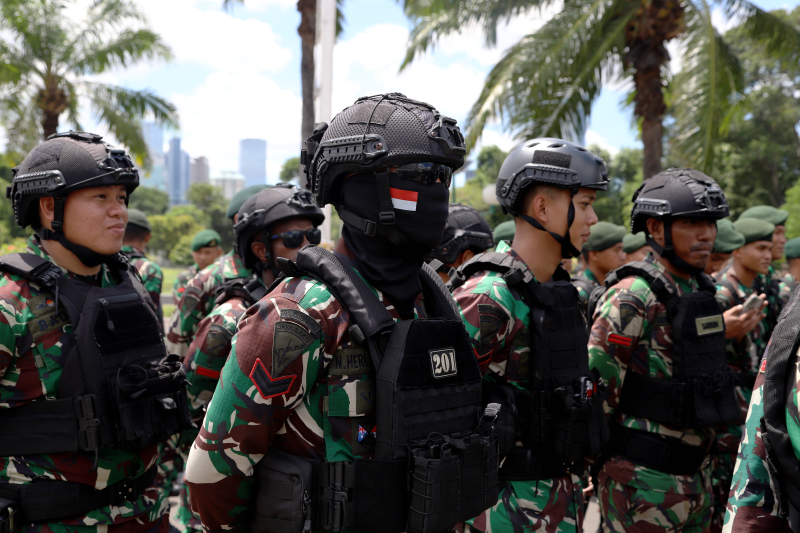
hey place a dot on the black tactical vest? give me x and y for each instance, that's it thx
(118, 385)
(559, 419)
(780, 373)
(701, 391)
(435, 460)
(250, 290)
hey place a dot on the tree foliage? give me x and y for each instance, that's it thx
(150, 201)
(290, 170)
(209, 200)
(487, 167)
(625, 176)
(49, 65)
(168, 231)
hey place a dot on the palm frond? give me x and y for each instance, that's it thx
(339, 18)
(434, 19)
(103, 18)
(227, 5)
(128, 47)
(707, 92)
(545, 84)
(781, 38)
(121, 109)
(20, 118)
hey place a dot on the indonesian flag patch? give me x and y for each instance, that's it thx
(404, 200)
(763, 368)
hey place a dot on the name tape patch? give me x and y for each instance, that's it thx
(709, 324)
(443, 363)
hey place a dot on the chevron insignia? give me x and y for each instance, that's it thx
(268, 387)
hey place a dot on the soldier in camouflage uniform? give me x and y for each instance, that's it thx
(602, 253)
(79, 228)
(197, 301)
(467, 233)
(206, 249)
(498, 320)
(744, 351)
(777, 290)
(635, 247)
(656, 474)
(288, 213)
(137, 235)
(792, 252)
(298, 378)
(728, 240)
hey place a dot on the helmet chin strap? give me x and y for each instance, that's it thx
(88, 257)
(568, 250)
(668, 252)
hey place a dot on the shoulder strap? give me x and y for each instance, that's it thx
(594, 299)
(31, 267)
(782, 464)
(661, 286)
(250, 290)
(734, 293)
(437, 292)
(371, 317)
(584, 283)
(706, 283)
(513, 271)
(135, 254)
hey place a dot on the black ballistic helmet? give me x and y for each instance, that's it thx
(466, 229)
(262, 210)
(377, 132)
(553, 162)
(676, 193)
(64, 163)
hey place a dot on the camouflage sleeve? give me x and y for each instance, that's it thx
(620, 321)
(258, 390)
(724, 297)
(736, 351)
(153, 278)
(752, 506)
(784, 292)
(487, 318)
(195, 304)
(209, 351)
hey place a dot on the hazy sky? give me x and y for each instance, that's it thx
(237, 74)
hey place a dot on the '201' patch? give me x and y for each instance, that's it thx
(443, 362)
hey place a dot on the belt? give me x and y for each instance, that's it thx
(665, 454)
(51, 501)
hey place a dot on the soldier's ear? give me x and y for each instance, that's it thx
(655, 228)
(47, 206)
(259, 250)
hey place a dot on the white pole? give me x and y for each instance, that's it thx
(326, 25)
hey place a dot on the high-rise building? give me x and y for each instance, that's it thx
(229, 183)
(178, 169)
(253, 161)
(155, 176)
(199, 170)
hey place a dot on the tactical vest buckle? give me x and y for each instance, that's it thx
(8, 518)
(88, 422)
(125, 492)
(336, 495)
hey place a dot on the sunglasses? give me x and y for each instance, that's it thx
(294, 238)
(425, 173)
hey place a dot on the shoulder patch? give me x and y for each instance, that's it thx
(298, 316)
(268, 386)
(218, 337)
(493, 310)
(288, 342)
(190, 299)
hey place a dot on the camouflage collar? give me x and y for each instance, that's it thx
(685, 285)
(504, 247)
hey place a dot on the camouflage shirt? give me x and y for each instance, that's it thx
(752, 504)
(34, 343)
(180, 282)
(583, 294)
(776, 299)
(198, 299)
(297, 336)
(497, 320)
(151, 274)
(744, 355)
(631, 332)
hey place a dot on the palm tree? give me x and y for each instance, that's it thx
(545, 84)
(49, 64)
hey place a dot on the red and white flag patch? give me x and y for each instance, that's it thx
(404, 200)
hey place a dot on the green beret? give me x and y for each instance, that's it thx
(754, 229)
(137, 218)
(504, 231)
(240, 197)
(768, 213)
(207, 237)
(604, 235)
(633, 241)
(792, 249)
(728, 239)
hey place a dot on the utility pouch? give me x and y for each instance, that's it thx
(506, 432)
(569, 435)
(715, 398)
(452, 480)
(284, 498)
(8, 518)
(151, 401)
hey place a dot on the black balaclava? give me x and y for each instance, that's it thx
(392, 269)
